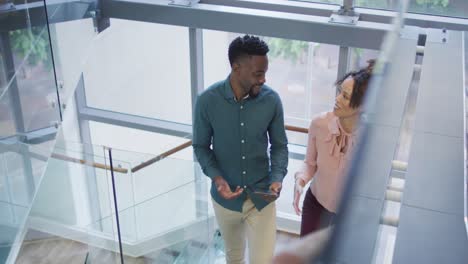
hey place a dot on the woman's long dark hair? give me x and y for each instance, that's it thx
(361, 82)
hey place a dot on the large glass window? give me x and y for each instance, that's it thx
(141, 69)
(380, 4)
(336, 2)
(135, 140)
(30, 82)
(301, 72)
(455, 8)
(358, 57)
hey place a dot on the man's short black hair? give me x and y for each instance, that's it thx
(246, 46)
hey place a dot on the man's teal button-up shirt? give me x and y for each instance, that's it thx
(230, 139)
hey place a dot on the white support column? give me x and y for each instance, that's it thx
(343, 62)
(85, 135)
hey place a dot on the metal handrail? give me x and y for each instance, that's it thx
(63, 157)
(162, 156)
(85, 162)
(144, 164)
(297, 129)
(189, 143)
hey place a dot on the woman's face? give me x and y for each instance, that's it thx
(343, 99)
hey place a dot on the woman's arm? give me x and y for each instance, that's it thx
(309, 166)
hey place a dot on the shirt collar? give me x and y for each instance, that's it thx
(228, 92)
(245, 97)
(227, 89)
(347, 140)
(334, 126)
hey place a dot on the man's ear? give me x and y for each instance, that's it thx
(235, 67)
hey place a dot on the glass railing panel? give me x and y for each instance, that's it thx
(35, 80)
(160, 206)
(285, 201)
(138, 141)
(28, 79)
(28, 93)
(166, 175)
(74, 194)
(155, 216)
(135, 184)
(73, 29)
(363, 198)
(168, 178)
(11, 40)
(21, 168)
(28, 102)
(7, 121)
(72, 42)
(11, 222)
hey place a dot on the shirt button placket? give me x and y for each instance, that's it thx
(243, 148)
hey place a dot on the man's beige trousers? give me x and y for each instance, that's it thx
(258, 227)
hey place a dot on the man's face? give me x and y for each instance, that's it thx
(251, 74)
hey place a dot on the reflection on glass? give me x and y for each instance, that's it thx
(28, 92)
(34, 77)
(27, 100)
(72, 42)
(72, 34)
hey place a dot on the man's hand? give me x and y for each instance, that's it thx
(298, 189)
(224, 190)
(275, 187)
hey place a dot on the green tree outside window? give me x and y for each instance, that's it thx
(35, 42)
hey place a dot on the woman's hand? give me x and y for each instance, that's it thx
(298, 189)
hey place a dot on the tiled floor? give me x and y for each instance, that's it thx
(54, 250)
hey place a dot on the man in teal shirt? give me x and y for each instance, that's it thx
(234, 120)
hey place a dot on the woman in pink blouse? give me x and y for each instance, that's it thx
(332, 136)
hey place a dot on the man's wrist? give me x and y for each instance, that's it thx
(218, 180)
